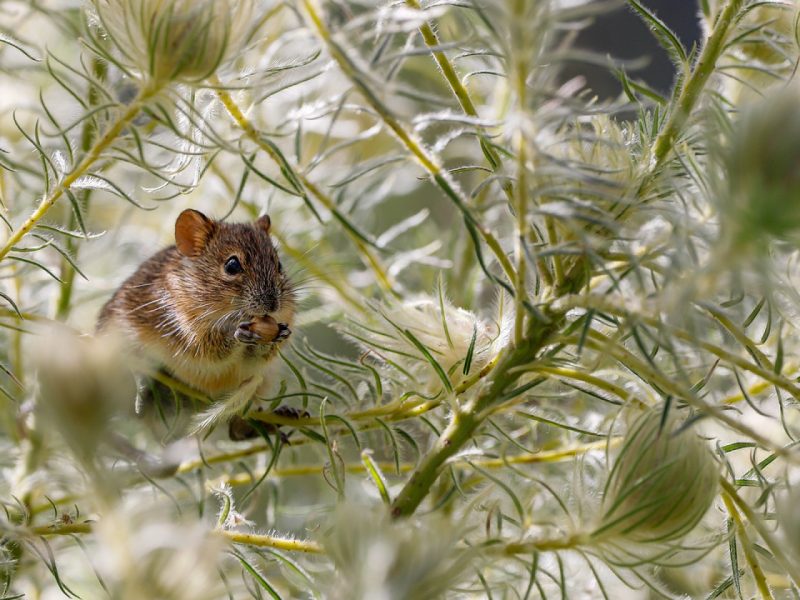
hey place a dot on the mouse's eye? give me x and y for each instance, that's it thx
(233, 266)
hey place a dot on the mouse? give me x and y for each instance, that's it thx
(210, 310)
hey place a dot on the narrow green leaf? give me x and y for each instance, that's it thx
(375, 473)
(471, 349)
(432, 361)
(257, 577)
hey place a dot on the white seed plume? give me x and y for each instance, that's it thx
(175, 40)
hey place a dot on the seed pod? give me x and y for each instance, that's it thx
(175, 40)
(662, 483)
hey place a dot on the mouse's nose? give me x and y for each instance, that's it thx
(269, 302)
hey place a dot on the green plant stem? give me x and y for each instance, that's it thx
(740, 336)
(682, 106)
(369, 258)
(271, 541)
(388, 467)
(747, 546)
(565, 373)
(775, 546)
(492, 157)
(693, 86)
(60, 529)
(609, 347)
(79, 170)
(425, 158)
(462, 95)
(18, 356)
(546, 545)
(466, 419)
(236, 537)
(464, 100)
(519, 78)
(67, 271)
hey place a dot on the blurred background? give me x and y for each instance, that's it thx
(621, 34)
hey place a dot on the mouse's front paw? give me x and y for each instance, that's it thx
(246, 334)
(283, 333)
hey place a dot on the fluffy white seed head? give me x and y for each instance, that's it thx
(175, 40)
(83, 382)
(445, 331)
(379, 559)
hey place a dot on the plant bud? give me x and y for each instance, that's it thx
(175, 40)
(760, 198)
(662, 483)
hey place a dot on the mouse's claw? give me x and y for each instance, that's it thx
(245, 334)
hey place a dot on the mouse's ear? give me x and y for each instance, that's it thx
(192, 230)
(264, 223)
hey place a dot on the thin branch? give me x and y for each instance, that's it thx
(271, 541)
(82, 168)
(692, 89)
(775, 546)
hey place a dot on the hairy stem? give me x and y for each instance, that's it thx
(520, 203)
(236, 537)
(60, 529)
(462, 95)
(467, 419)
(271, 541)
(390, 468)
(693, 87)
(681, 109)
(88, 133)
(616, 306)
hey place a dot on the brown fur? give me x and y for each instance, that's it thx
(182, 309)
